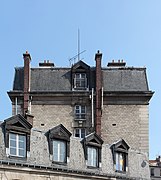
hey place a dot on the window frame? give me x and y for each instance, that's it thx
(80, 132)
(80, 83)
(64, 143)
(59, 133)
(80, 115)
(92, 141)
(92, 157)
(17, 146)
(120, 148)
(120, 166)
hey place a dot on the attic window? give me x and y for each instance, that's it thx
(59, 140)
(80, 81)
(17, 145)
(92, 145)
(17, 136)
(120, 155)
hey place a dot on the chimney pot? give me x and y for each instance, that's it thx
(119, 61)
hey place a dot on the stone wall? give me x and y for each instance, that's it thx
(129, 122)
(39, 156)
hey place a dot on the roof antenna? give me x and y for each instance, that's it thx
(74, 58)
(78, 45)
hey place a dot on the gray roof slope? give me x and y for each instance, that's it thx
(59, 79)
(125, 79)
(49, 79)
(18, 79)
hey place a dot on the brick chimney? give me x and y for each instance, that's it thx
(98, 58)
(27, 59)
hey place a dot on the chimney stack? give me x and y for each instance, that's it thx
(98, 58)
(27, 59)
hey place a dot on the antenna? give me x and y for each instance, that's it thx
(79, 53)
(78, 45)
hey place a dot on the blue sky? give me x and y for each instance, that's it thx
(120, 29)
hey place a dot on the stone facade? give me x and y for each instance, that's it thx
(116, 122)
(129, 122)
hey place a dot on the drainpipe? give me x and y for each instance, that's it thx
(16, 105)
(92, 109)
(98, 58)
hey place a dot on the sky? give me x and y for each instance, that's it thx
(48, 29)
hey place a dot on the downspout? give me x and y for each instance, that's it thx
(92, 109)
(16, 105)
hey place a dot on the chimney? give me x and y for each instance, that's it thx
(29, 118)
(98, 58)
(119, 63)
(27, 59)
(47, 64)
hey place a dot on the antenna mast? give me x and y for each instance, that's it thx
(78, 45)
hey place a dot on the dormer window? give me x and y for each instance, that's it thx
(59, 140)
(80, 112)
(80, 81)
(17, 145)
(92, 145)
(120, 156)
(80, 76)
(17, 136)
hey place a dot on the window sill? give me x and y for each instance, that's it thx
(122, 172)
(59, 163)
(92, 167)
(17, 157)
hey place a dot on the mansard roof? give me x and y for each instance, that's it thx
(122, 79)
(125, 79)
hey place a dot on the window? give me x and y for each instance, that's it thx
(120, 161)
(80, 112)
(92, 145)
(92, 157)
(59, 143)
(59, 151)
(17, 145)
(120, 155)
(152, 172)
(17, 132)
(80, 81)
(80, 132)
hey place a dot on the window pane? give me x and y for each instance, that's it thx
(120, 161)
(13, 151)
(22, 138)
(12, 136)
(17, 145)
(83, 133)
(59, 151)
(22, 152)
(12, 143)
(92, 157)
(22, 145)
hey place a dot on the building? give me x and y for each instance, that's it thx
(155, 168)
(80, 122)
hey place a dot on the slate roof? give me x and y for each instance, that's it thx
(59, 79)
(125, 79)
